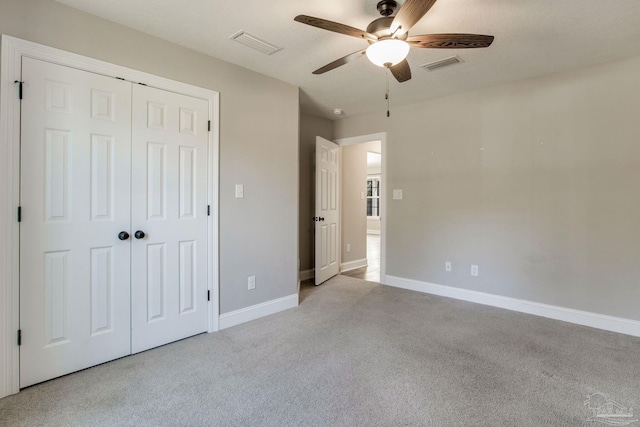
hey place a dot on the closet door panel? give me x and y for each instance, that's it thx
(169, 205)
(75, 199)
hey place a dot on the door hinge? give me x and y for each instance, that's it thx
(142, 84)
(19, 213)
(120, 78)
(19, 88)
(209, 126)
(208, 295)
(19, 336)
(208, 210)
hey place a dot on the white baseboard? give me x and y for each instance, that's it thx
(373, 231)
(347, 266)
(257, 311)
(352, 265)
(306, 274)
(579, 317)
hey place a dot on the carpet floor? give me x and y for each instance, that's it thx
(356, 353)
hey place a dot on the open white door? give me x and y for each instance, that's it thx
(327, 213)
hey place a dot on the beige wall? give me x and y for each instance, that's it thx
(258, 140)
(535, 181)
(354, 208)
(310, 127)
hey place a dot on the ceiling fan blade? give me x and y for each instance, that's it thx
(338, 62)
(335, 27)
(450, 41)
(401, 71)
(410, 13)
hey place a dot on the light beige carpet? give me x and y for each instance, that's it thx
(354, 353)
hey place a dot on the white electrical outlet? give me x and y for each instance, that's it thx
(474, 270)
(239, 191)
(397, 194)
(348, 247)
(252, 282)
(447, 266)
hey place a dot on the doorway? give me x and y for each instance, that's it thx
(363, 206)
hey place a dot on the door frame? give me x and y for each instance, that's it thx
(382, 137)
(13, 49)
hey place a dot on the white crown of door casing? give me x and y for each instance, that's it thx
(13, 50)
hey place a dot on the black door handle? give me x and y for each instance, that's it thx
(139, 234)
(321, 218)
(123, 235)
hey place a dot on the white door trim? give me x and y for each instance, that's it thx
(382, 137)
(13, 49)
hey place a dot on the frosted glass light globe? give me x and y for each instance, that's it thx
(390, 51)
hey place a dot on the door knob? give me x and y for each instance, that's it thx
(321, 218)
(123, 235)
(139, 234)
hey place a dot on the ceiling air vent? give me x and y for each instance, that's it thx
(254, 42)
(442, 63)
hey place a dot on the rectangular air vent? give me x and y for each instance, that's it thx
(254, 42)
(442, 63)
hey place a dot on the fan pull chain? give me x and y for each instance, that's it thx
(386, 95)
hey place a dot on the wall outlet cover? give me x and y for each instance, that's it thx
(474, 270)
(397, 194)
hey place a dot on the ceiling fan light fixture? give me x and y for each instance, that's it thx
(389, 51)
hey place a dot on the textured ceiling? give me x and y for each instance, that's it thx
(532, 38)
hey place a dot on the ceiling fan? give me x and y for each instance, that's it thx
(389, 39)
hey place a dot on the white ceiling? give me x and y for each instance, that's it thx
(532, 38)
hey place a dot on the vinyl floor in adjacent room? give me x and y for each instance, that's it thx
(356, 353)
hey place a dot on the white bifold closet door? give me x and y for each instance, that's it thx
(90, 291)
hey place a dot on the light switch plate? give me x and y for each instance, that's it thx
(239, 191)
(397, 194)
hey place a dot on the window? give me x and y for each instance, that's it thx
(373, 196)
